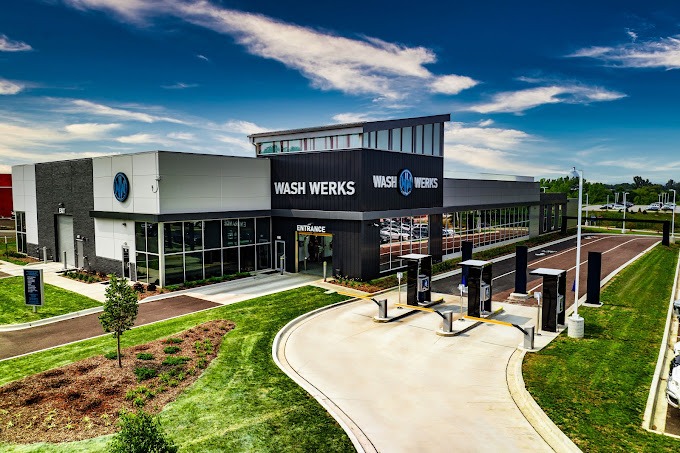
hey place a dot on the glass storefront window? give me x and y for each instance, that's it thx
(427, 139)
(140, 236)
(419, 140)
(152, 237)
(320, 143)
(355, 141)
(141, 267)
(230, 257)
(407, 139)
(172, 237)
(193, 266)
(262, 228)
(230, 232)
(383, 139)
(174, 269)
(396, 140)
(264, 255)
(193, 236)
(213, 263)
(247, 231)
(212, 235)
(294, 145)
(437, 145)
(248, 258)
(153, 269)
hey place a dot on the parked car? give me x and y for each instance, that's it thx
(447, 232)
(617, 206)
(629, 204)
(654, 207)
(607, 206)
(673, 385)
(393, 234)
(668, 207)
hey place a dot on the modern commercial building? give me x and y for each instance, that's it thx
(5, 195)
(355, 196)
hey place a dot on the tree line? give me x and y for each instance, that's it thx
(641, 191)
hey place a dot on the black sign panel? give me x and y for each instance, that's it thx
(356, 180)
(34, 291)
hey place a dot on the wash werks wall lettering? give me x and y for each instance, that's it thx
(355, 180)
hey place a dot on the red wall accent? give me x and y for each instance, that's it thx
(5, 195)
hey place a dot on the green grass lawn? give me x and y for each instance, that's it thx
(595, 389)
(13, 309)
(242, 402)
(7, 249)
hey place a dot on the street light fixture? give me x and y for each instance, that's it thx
(625, 208)
(673, 222)
(587, 203)
(543, 188)
(575, 322)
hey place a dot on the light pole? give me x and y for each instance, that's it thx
(625, 208)
(543, 188)
(587, 202)
(673, 222)
(576, 324)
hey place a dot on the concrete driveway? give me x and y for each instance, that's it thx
(399, 387)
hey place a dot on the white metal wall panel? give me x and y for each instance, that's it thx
(24, 198)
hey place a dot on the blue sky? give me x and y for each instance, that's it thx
(533, 87)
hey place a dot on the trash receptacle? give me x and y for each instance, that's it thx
(676, 308)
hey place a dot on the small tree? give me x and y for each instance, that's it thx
(120, 309)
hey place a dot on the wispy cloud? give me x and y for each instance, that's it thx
(519, 101)
(90, 131)
(202, 57)
(242, 127)
(239, 142)
(354, 117)
(663, 53)
(182, 136)
(142, 138)
(475, 147)
(362, 66)
(179, 86)
(83, 106)
(8, 45)
(7, 87)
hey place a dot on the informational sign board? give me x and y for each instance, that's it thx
(34, 288)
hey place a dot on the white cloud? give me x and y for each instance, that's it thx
(242, 127)
(485, 123)
(352, 117)
(519, 101)
(202, 57)
(356, 66)
(451, 84)
(83, 106)
(182, 136)
(664, 53)
(90, 131)
(633, 36)
(8, 45)
(141, 138)
(179, 86)
(7, 87)
(490, 137)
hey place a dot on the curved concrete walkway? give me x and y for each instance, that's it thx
(405, 389)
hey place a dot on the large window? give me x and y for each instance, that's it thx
(146, 258)
(196, 250)
(401, 236)
(483, 227)
(20, 220)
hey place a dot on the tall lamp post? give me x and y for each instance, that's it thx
(587, 203)
(673, 222)
(575, 322)
(625, 208)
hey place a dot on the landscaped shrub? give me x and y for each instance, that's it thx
(145, 356)
(140, 433)
(176, 360)
(171, 349)
(144, 373)
(111, 355)
(172, 340)
(138, 287)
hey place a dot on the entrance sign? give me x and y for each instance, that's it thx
(312, 228)
(34, 288)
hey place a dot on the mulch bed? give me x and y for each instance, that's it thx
(82, 400)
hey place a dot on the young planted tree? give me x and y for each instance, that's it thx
(120, 309)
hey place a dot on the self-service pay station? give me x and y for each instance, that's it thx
(479, 287)
(554, 289)
(418, 278)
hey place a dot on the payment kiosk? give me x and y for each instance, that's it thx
(418, 278)
(479, 287)
(554, 289)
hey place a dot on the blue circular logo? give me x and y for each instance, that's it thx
(405, 184)
(121, 187)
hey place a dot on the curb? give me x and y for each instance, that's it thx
(359, 440)
(545, 427)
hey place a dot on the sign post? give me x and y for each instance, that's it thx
(400, 275)
(34, 288)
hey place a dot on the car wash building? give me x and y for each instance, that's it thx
(354, 196)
